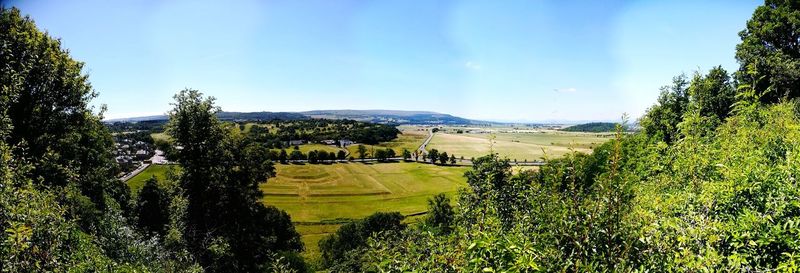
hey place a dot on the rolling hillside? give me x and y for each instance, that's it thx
(375, 116)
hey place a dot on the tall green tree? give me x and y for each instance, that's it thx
(152, 207)
(713, 94)
(45, 100)
(362, 151)
(227, 228)
(662, 119)
(443, 158)
(440, 213)
(771, 47)
(406, 155)
(433, 155)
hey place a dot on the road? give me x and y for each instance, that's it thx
(158, 158)
(134, 172)
(421, 149)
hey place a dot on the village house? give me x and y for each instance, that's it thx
(345, 142)
(329, 142)
(296, 142)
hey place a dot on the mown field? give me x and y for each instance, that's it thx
(318, 197)
(521, 146)
(343, 191)
(159, 171)
(410, 139)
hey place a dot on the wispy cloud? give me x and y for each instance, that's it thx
(566, 90)
(472, 65)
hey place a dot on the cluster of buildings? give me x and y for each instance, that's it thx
(341, 143)
(129, 154)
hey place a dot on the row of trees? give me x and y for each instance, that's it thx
(277, 133)
(442, 157)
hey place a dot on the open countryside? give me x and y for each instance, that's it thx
(519, 145)
(320, 197)
(565, 137)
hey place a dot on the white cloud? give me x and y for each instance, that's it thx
(472, 66)
(566, 90)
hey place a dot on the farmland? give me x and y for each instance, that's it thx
(524, 145)
(410, 139)
(320, 196)
(319, 193)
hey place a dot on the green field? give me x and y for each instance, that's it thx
(521, 146)
(160, 136)
(159, 171)
(318, 197)
(410, 139)
(319, 193)
(305, 148)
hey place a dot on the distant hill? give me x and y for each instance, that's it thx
(375, 116)
(231, 116)
(260, 116)
(592, 127)
(392, 116)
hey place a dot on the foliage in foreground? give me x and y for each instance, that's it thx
(724, 199)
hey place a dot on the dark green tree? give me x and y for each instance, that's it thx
(354, 235)
(283, 156)
(152, 207)
(771, 49)
(661, 120)
(220, 174)
(433, 155)
(406, 155)
(440, 213)
(362, 151)
(312, 157)
(381, 155)
(297, 155)
(341, 155)
(45, 99)
(443, 158)
(713, 94)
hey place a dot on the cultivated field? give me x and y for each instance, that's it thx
(335, 192)
(410, 139)
(529, 145)
(305, 148)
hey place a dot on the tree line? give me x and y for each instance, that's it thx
(277, 133)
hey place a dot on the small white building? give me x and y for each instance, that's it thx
(328, 142)
(345, 142)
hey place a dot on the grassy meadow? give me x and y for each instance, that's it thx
(320, 197)
(159, 171)
(410, 139)
(344, 191)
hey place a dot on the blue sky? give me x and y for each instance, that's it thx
(498, 60)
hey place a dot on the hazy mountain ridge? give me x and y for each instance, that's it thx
(376, 116)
